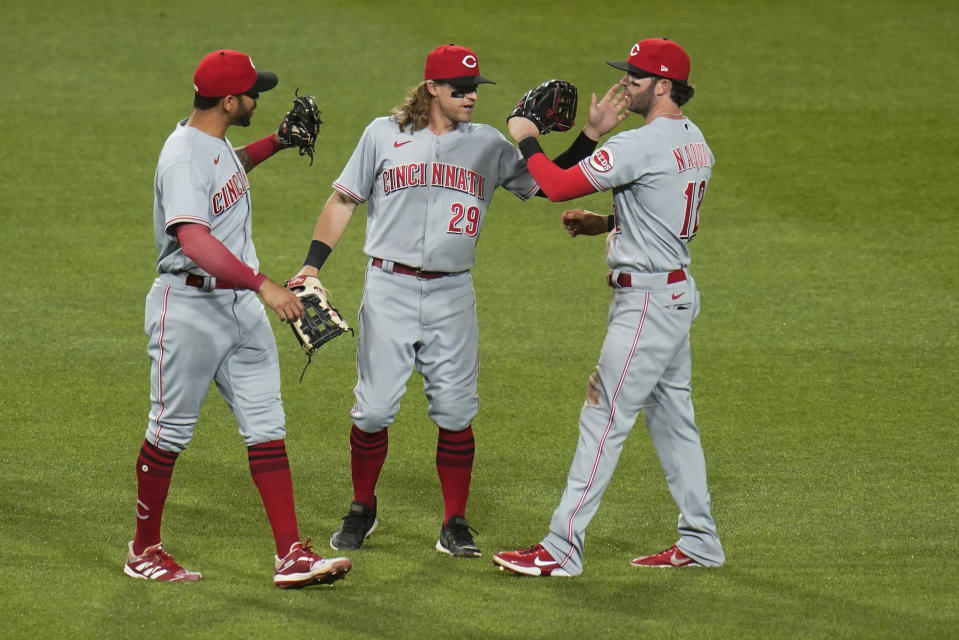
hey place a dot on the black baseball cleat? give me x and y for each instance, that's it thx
(356, 527)
(456, 539)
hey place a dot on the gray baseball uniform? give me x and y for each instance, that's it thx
(203, 334)
(427, 197)
(658, 174)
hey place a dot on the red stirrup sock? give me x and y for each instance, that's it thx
(270, 469)
(454, 465)
(154, 471)
(367, 455)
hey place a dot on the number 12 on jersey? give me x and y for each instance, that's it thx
(694, 200)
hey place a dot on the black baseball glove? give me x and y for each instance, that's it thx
(300, 125)
(551, 106)
(321, 322)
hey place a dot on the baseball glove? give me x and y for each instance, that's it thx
(551, 106)
(321, 322)
(300, 125)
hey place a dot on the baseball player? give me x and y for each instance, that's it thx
(659, 174)
(205, 323)
(427, 174)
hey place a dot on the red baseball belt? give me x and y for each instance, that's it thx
(625, 280)
(414, 271)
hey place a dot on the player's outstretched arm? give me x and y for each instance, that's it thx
(330, 227)
(579, 222)
(256, 152)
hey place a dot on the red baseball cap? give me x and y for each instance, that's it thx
(656, 57)
(455, 65)
(230, 73)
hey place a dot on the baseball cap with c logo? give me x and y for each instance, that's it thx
(656, 57)
(230, 73)
(454, 64)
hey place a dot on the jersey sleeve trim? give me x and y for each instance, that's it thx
(529, 194)
(588, 174)
(188, 220)
(347, 192)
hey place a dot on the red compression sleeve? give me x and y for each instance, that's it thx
(558, 184)
(262, 149)
(212, 256)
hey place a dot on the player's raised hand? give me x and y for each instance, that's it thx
(605, 114)
(520, 127)
(579, 222)
(283, 301)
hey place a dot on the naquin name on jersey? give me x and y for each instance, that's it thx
(433, 174)
(692, 156)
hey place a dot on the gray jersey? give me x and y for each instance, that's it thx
(200, 180)
(659, 175)
(427, 195)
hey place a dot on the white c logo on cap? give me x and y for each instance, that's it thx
(469, 61)
(635, 50)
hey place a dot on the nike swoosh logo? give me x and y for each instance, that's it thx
(216, 160)
(677, 562)
(397, 144)
(539, 563)
(676, 296)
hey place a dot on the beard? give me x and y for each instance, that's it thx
(242, 117)
(642, 102)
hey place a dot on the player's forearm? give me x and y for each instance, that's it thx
(256, 152)
(581, 148)
(212, 256)
(330, 227)
(558, 184)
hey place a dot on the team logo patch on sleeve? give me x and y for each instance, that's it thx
(602, 160)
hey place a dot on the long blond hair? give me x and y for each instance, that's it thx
(415, 110)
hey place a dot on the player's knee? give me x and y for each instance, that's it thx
(169, 437)
(373, 419)
(452, 415)
(264, 434)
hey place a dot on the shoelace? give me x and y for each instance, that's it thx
(460, 532)
(166, 561)
(355, 523)
(535, 549)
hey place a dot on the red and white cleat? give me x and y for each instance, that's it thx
(302, 568)
(156, 564)
(671, 557)
(534, 561)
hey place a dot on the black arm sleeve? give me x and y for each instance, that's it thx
(581, 148)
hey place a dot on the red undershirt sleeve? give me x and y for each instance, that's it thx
(557, 183)
(262, 149)
(212, 256)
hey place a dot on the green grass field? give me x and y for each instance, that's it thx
(825, 358)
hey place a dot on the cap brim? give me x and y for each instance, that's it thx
(465, 80)
(265, 80)
(630, 69)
